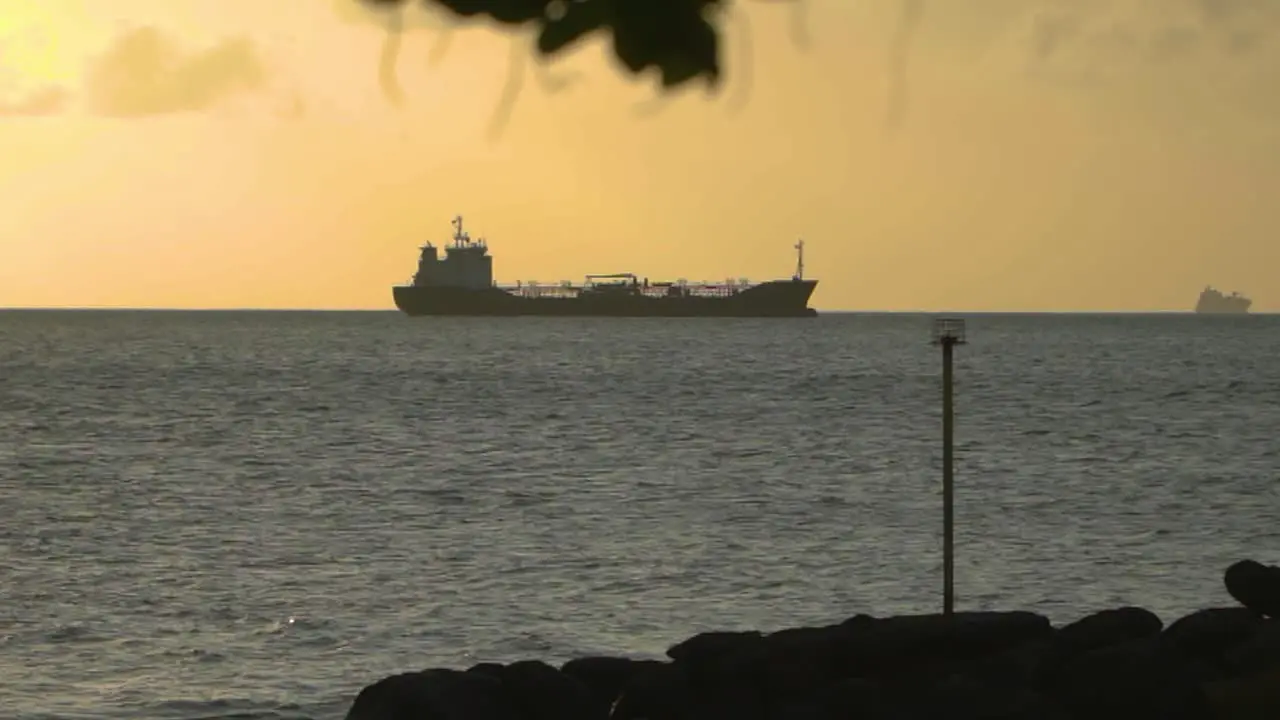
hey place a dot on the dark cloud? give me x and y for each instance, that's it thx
(1229, 11)
(42, 102)
(1050, 31)
(1114, 31)
(388, 79)
(909, 19)
(145, 72)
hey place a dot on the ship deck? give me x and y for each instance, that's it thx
(656, 291)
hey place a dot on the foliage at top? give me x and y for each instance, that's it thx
(679, 38)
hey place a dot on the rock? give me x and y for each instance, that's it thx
(659, 691)
(434, 695)
(711, 645)
(527, 690)
(490, 669)
(1208, 634)
(1108, 627)
(1136, 680)
(1256, 653)
(750, 675)
(1100, 630)
(604, 677)
(542, 692)
(1220, 663)
(936, 645)
(802, 661)
(1256, 697)
(1255, 586)
(849, 698)
(964, 697)
(1024, 665)
(709, 658)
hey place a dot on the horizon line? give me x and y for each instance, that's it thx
(821, 311)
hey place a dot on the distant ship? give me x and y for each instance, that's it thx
(462, 283)
(1213, 302)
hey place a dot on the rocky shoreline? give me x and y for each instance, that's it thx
(1221, 663)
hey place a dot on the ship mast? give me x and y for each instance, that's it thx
(458, 235)
(799, 261)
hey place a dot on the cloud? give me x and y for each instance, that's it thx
(42, 102)
(144, 72)
(19, 99)
(1120, 32)
(911, 15)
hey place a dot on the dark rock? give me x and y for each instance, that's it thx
(1108, 627)
(542, 692)
(722, 674)
(1255, 586)
(1136, 680)
(730, 687)
(491, 669)
(659, 691)
(964, 697)
(528, 690)
(850, 698)
(1259, 652)
(434, 695)
(979, 665)
(801, 661)
(744, 674)
(1254, 697)
(1026, 664)
(1102, 629)
(1208, 634)
(604, 677)
(708, 647)
(749, 675)
(934, 646)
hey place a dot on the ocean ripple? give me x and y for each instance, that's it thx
(252, 515)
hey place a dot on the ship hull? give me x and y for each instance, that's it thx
(780, 298)
(1224, 311)
(1241, 308)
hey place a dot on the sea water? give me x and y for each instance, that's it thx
(252, 515)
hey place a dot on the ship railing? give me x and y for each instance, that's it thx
(567, 290)
(695, 290)
(534, 289)
(710, 291)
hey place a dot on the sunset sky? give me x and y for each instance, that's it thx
(989, 155)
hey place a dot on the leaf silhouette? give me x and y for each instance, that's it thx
(675, 36)
(580, 19)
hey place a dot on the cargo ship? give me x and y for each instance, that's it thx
(1213, 302)
(461, 283)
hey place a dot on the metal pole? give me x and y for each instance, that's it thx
(948, 490)
(948, 332)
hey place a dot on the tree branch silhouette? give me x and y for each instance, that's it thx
(679, 38)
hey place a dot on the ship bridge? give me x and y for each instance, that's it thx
(466, 264)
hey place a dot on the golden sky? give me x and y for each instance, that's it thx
(978, 155)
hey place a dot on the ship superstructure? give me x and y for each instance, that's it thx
(1214, 302)
(466, 264)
